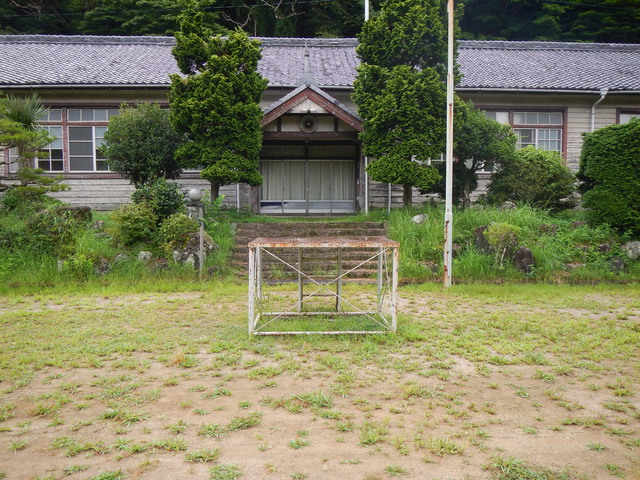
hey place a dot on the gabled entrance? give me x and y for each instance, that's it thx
(310, 156)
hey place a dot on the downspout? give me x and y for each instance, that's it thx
(603, 93)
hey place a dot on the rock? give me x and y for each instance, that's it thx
(604, 248)
(572, 266)
(632, 249)
(617, 265)
(79, 213)
(420, 219)
(523, 259)
(102, 266)
(144, 256)
(98, 225)
(507, 206)
(578, 224)
(190, 253)
(121, 257)
(158, 264)
(482, 243)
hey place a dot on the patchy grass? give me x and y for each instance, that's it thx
(546, 374)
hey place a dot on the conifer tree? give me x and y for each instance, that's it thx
(215, 103)
(400, 91)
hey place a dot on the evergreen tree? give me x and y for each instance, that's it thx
(400, 91)
(215, 103)
(20, 129)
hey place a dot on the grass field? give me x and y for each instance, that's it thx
(480, 382)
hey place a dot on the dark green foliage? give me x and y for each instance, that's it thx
(133, 223)
(140, 144)
(572, 20)
(610, 172)
(162, 197)
(536, 177)
(175, 230)
(480, 143)
(400, 91)
(216, 103)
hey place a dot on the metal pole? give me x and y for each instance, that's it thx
(201, 250)
(448, 214)
(366, 10)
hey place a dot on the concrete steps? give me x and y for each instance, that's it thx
(318, 263)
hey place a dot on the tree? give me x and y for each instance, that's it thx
(537, 177)
(400, 91)
(140, 17)
(610, 172)
(215, 103)
(19, 129)
(480, 143)
(140, 144)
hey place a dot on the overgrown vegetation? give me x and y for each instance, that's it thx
(565, 248)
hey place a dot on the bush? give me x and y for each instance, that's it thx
(133, 223)
(140, 144)
(536, 177)
(503, 238)
(610, 172)
(174, 232)
(164, 198)
(54, 230)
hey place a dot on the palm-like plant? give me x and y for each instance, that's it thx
(22, 116)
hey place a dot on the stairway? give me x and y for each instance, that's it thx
(316, 262)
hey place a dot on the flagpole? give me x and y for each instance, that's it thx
(448, 213)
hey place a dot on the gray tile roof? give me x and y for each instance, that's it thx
(549, 66)
(51, 60)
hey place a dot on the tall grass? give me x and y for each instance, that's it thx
(564, 249)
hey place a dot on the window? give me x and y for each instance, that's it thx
(52, 115)
(91, 114)
(84, 149)
(625, 117)
(541, 130)
(50, 158)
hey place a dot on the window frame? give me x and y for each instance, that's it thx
(633, 112)
(537, 127)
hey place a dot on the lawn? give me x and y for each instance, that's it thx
(480, 382)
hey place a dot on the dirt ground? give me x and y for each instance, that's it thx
(319, 414)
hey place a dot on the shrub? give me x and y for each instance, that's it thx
(133, 223)
(174, 232)
(536, 177)
(503, 238)
(164, 198)
(54, 229)
(610, 172)
(140, 144)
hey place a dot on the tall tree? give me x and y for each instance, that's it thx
(215, 103)
(400, 91)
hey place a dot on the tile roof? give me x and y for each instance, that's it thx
(549, 66)
(56, 60)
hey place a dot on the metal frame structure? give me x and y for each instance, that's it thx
(384, 315)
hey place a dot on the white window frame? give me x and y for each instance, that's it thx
(540, 128)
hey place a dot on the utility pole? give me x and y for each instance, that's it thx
(448, 212)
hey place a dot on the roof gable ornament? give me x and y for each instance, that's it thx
(307, 78)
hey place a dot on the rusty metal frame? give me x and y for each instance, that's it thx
(385, 313)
